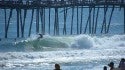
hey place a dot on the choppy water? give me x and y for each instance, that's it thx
(82, 52)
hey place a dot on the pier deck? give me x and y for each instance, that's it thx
(58, 4)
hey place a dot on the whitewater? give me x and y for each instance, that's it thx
(77, 52)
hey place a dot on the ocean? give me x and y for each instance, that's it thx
(72, 52)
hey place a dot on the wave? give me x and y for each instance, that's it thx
(82, 49)
(79, 42)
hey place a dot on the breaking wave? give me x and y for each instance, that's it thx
(79, 42)
(71, 50)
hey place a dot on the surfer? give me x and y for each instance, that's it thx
(40, 36)
(57, 67)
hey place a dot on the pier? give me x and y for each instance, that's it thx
(44, 23)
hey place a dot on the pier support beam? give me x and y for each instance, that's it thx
(65, 16)
(110, 20)
(49, 19)
(37, 20)
(93, 21)
(124, 20)
(23, 25)
(90, 25)
(77, 20)
(72, 21)
(41, 15)
(44, 19)
(88, 21)
(5, 23)
(96, 21)
(56, 24)
(31, 22)
(104, 20)
(17, 22)
(8, 23)
(81, 20)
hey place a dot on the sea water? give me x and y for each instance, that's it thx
(72, 52)
(82, 52)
